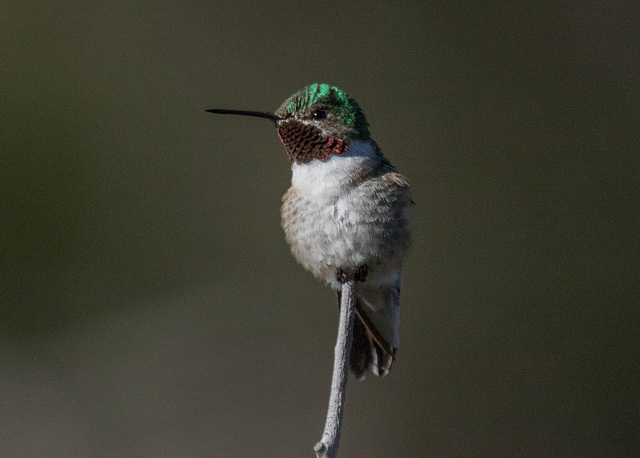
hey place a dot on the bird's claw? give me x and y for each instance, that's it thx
(359, 274)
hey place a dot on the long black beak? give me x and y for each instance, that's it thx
(255, 114)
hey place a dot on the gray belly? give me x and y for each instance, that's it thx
(345, 233)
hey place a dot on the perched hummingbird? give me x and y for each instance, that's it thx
(346, 214)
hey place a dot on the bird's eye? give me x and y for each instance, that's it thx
(319, 114)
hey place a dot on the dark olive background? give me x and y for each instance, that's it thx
(149, 304)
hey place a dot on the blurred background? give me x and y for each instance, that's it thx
(149, 306)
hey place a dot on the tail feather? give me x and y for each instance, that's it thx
(369, 349)
(361, 356)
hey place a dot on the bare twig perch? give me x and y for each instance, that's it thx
(328, 445)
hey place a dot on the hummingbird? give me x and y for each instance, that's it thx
(347, 213)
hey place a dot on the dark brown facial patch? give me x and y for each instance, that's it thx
(305, 142)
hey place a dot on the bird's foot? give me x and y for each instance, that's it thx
(359, 274)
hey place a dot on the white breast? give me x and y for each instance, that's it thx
(326, 231)
(326, 179)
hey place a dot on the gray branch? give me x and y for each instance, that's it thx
(328, 445)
